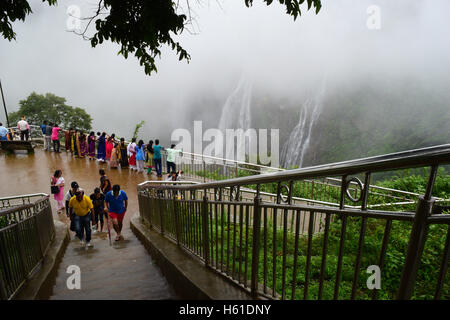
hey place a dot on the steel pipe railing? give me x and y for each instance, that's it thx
(280, 246)
(26, 232)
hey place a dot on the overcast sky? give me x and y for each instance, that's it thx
(280, 56)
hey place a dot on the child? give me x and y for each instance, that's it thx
(140, 156)
(132, 154)
(98, 200)
(105, 183)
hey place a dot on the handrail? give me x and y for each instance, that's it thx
(9, 210)
(394, 161)
(26, 233)
(256, 166)
(166, 182)
(233, 161)
(24, 196)
(218, 221)
(273, 195)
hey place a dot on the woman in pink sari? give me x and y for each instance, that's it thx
(109, 147)
(58, 181)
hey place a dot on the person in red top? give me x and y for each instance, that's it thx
(109, 147)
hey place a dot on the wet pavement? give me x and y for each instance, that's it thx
(123, 270)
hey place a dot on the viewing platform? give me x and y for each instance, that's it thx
(288, 234)
(122, 271)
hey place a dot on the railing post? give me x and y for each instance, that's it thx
(151, 205)
(177, 219)
(38, 238)
(3, 294)
(160, 198)
(417, 240)
(205, 228)
(21, 251)
(255, 250)
(3, 258)
(204, 169)
(193, 171)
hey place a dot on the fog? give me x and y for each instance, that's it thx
(281, 57)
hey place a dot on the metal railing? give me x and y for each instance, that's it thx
(279, 248)
(26, 231)
(35, 132)
(324, 190)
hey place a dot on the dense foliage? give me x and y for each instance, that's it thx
(388, 115)
(11, 11)
(391, 269)
(407, 180)
(37, 108)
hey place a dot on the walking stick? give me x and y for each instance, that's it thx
(109, 230)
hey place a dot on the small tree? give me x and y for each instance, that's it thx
(138, 127)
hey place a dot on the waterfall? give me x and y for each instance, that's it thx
(295, 148)
(236, 111)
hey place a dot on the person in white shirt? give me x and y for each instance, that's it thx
(24, 129)
(171, 155)
(131, 150)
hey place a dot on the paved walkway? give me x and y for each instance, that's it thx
(122, 271)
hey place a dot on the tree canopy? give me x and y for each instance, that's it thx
(140, 27)
(37, 108)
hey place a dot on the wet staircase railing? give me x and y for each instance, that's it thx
(324, 190)
(26, 232)
(279, 248)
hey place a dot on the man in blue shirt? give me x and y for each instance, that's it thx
(43, 126)
(157, 157)
(117, 202)
(3, 133)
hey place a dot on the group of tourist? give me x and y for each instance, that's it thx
(23, 129)
(107, 148)
(107, 202)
